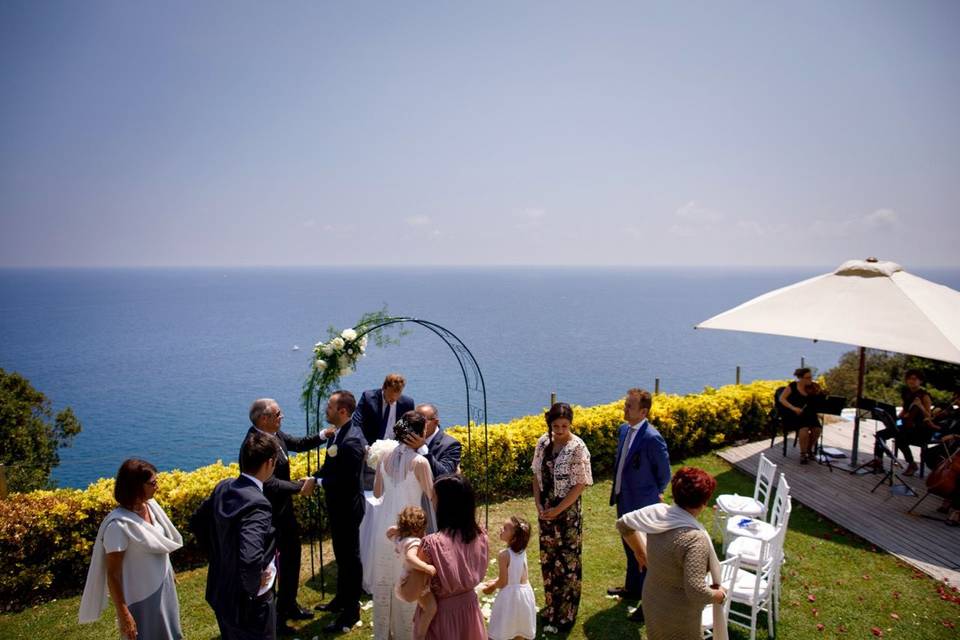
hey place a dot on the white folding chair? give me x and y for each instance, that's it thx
(754, 528)
(757, 591)
(756, 547)
(732, 504)
(728, 578)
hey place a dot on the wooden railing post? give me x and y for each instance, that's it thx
(738, 375)
(553, 398)
(3, 482)
(656, 386)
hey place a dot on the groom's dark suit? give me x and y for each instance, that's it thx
(342, 489)
(371, 418)
(234, 528)
(279, 490)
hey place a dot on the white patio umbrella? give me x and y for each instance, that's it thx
(867, 303)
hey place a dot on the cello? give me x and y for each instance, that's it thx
(942, 481)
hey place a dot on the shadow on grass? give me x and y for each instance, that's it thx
(611, 623)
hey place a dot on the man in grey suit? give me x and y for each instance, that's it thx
(441, 451)
(234, 528)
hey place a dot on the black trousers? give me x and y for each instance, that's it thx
(903, 439)
(288, 573)
(345, 532)
(256, 622)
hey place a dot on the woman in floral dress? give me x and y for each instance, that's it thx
(561, 471)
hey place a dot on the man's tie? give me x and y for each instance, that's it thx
(385, 418)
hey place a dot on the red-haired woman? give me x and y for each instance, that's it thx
(678, 553)
(131, 559)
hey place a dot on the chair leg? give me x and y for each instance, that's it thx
(753, 622)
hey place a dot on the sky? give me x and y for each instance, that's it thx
(516, 133)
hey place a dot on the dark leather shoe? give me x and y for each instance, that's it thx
(637, 615)
(299, 613)
(343, 624)
(623, 592)
(332, 606)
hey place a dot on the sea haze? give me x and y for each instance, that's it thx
(163, 363)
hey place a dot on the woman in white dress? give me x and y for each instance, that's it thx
(403, 478)
(131, 559)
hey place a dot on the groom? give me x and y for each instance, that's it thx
(340, 478)
(642, 474)
(377, 412)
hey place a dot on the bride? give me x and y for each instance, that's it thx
(403, 478)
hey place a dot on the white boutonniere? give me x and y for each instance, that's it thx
(332, 451)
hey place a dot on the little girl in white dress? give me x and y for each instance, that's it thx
(413, 585)
(514, 611)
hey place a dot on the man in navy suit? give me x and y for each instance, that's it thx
(377, 412)
(234, 527)
(340, 477)
(641, 474)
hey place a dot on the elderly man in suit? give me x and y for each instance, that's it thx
(441, 451)
(340, 477)
(266, 417)
(234, 528)
(377, 411)
(642, 473)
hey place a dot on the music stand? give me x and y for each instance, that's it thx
(831, 406)
(892, 475)
(883, 413)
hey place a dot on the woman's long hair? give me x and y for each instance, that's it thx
(457, 507)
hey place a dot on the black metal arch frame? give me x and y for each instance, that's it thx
(476, 412)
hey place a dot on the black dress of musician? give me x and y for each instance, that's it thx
(917, 424)
(800, 411)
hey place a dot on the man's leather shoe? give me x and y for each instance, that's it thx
(622, 592)
(637, 615)
(299, 613)
(342, 624)
(332, 606)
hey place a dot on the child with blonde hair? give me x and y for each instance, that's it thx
(414, 582)
(514, 613)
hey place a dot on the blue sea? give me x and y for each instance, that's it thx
(163, 363)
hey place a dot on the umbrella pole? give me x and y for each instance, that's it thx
(856, 415)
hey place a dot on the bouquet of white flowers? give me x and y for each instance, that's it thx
(377, 450)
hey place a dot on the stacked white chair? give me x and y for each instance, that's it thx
(728, 580)
(752, 540)
(759, 590)
(729, 505)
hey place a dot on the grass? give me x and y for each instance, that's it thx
(831, 578)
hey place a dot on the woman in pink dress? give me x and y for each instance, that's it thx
(458, 550)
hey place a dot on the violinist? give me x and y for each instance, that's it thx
(798, 400)
(916, 417)
(916, 424)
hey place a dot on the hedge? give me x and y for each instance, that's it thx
(46, 536)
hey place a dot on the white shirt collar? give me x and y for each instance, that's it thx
(636, 427)
(432, 436)
(256, 481)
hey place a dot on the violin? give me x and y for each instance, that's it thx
(942, 481)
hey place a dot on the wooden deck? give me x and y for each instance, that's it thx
(921, 539)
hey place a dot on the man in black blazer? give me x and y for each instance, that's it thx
(340, 477)
(377, 412)
(234, 528)
(266, 417)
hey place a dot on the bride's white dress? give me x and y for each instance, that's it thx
(401, 488)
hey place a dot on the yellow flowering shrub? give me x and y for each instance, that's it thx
(46, 537)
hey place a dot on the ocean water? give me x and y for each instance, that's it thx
(163, 363)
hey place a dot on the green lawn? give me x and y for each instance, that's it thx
(831, 578)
